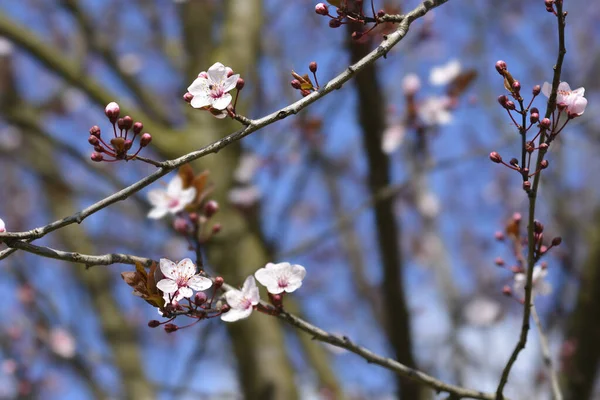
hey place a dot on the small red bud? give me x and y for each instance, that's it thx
(137, 128)
(200, 298)
(93, 140)
(495, 157)
(516, 87)
(188, 97)
(514, 162)
(499, 236)
(534, 117)
(218, 282)
(216, 228)
(499, 261)
(321, 9)
(240, 84)
(335, 23)
(153, 323)
(181, 225)
(125, 123)
(296, 84)
(517, 217)
(527, 186)
(538, 227)
(556, 241)
(545, 123)
(544, 164)
(128, 143)
(95, 131)
(536, 90)
(501, 67)
(506, 290)
(97, 157)
(510, 105)
(225, 307)
(380, 14)
(145, 140)
(502, 99)
(544, 146)
(211, 208)
(170, 328)
(312, 67)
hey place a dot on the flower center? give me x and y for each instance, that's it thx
(282, 282)
(173, 203)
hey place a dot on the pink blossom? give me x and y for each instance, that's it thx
(573, 100)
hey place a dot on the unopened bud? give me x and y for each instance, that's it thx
(514, 162)
(502, 99)
(200, 298)
(153, 323)
(240, 84)
(125, 123)
(128, 143)
(510, 105)
(534, 117)
(380, 14)
(335, 23)
(501, 67)
(495, 157)
(93, 140)
(527, 186)
(538, 227)
(225, 307)
(216, 228)
(137, 128)
(506, 290)
(312, 67)
(181, 225)
(517, 217)
(296, 84)
(499, 261)
(211, 208)
(545, 123)
(170, 328)
(145, 139)
(321, 9)
(536, 90)
(97, 157)
(516, 87)
(544, 164)
(218, 282)
(499, 236)
(188, 97)
(112, 111)
(95, 131)
(544, 146)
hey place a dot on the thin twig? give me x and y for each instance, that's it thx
(546, 354)
(532, 203)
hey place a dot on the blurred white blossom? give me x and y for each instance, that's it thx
(393, 137)
(445, 74)
(172, 200)
(538, 282)
(62, 343)
(435, 110)
(482, 311)
(411, 84)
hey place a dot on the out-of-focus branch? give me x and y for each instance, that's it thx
(546, 354)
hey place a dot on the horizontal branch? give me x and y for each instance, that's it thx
(316, 332)
(384, 47)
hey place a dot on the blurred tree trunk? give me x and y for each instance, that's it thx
(370, 107)
(581, 368)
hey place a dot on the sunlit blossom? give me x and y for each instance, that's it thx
(241, 302)
(392, 138)
(538, 282)
(172, 200)
(180, 279)
(411, 84)
(62, 343)
(211, 88)
(281, 277)
(435, 110)
(573, 100)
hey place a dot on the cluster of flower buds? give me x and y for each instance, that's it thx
(118, 147)
(550, 5)
(303, 82)
(524, 117)
(517, 241)
(350, 11)
(210, 90)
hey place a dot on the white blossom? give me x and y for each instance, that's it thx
(244, 196)
(180, 279)
(211, 88)
(393, 137)
(482, 311)
(435, 111)
(573, 100)
(247, 167)
(411, 84)
(2, 226)
(62, 343)
(241, 302)
(172, 200)
(538, 282)
(445, 74)
(281, 277)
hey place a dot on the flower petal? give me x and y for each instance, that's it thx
(230, 82)
(168, 268)
(186, 268)
(187, 195)
(184, 292)
(236, 314)
(167, 286)
(157, 212)
(158, 197)
(217, 73)
(175, 186)
(199, 283)
(201, 100)
(222, 102)
(564, 86)
(198, 87)
(234, 298)
(546, 89)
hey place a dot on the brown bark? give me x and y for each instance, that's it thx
(370, 110)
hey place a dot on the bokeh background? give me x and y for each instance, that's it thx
(393, 220)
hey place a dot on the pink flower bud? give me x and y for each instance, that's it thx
(97, 157)
(211, 208)
(240, 84)
(556, 241)
(145, 139)
(495, 157)
(95, 131)
(501, 67)
(93, 140)
(545, 123)
(200, 298)
(170, 328)
(137, 128)
(218, 282)
(187, 97)
(335, 23)
(312, 67)
(296, 84)
(216, 228)
(536, 90)
(153, 323)
(112, 111)
(321, 9)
